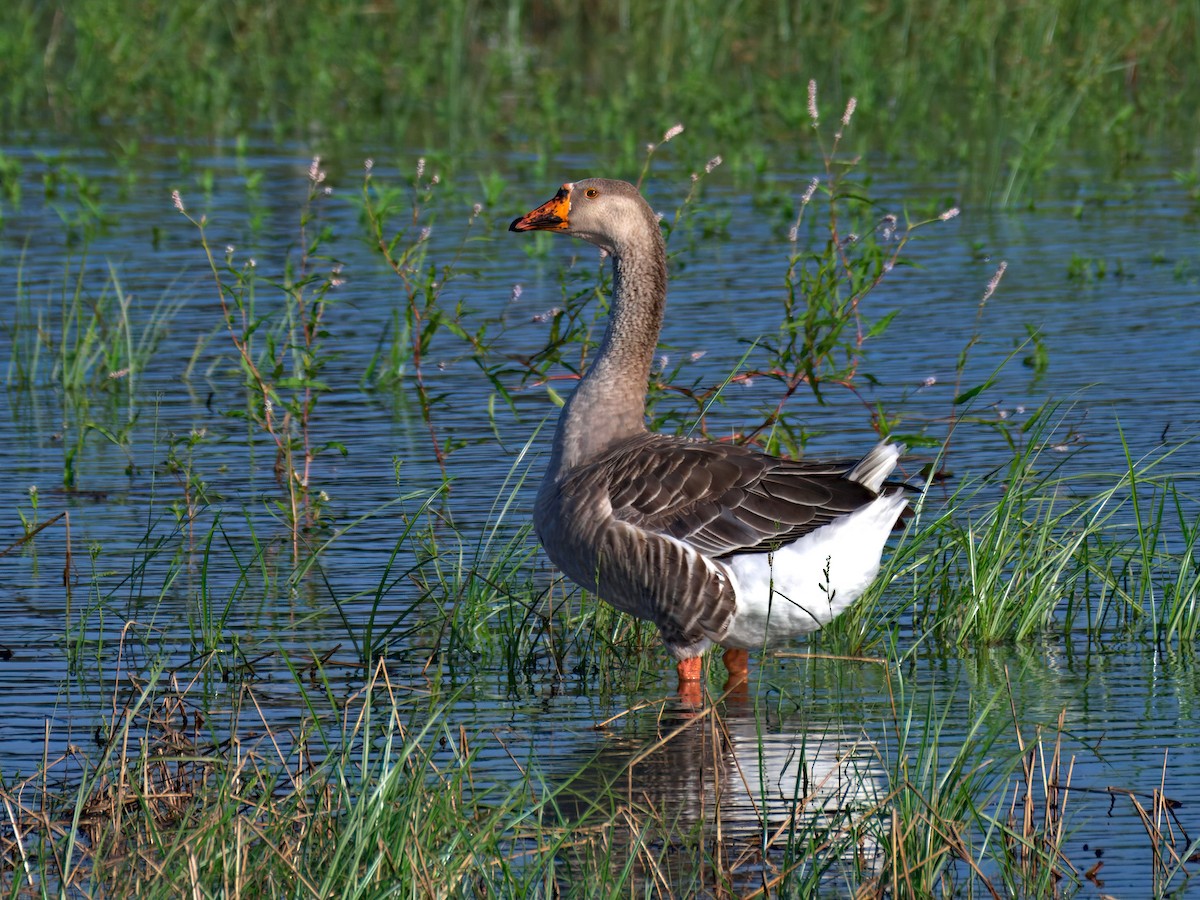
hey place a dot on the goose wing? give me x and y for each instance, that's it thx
(722, 499)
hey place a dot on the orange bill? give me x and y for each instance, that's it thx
(550, 216)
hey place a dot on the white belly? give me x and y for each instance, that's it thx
(802, 586)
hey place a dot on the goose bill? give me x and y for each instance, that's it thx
(550, 216)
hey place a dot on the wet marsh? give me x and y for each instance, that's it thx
(275, 620)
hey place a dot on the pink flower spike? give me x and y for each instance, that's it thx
(849, 113)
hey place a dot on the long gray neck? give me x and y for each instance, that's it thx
(609, 403)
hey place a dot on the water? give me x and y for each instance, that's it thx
(1121, 349)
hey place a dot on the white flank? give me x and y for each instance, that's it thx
(802, 586)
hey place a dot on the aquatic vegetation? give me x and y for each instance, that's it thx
(282, 364)
(399, 356)
(102, 338)
(192, 786)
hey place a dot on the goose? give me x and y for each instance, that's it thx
(716, 544)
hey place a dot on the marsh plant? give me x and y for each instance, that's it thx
(1005, 96)
(401, 357)
(282, 352)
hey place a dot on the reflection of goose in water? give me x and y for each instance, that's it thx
(729, 788)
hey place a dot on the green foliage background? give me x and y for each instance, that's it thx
(999, 91)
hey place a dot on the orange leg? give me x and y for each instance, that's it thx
(737, 662)
(690, 669)
(689, 681)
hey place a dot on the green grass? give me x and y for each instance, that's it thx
(99, 338)
(1000, 95)
(1038, 548)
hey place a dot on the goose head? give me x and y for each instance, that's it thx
(611, 214)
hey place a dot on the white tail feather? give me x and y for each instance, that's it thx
(874, 468)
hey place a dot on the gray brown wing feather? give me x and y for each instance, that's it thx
(641, 571)
(685, 594)
(724, 499)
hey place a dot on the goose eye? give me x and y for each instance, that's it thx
(591, 193)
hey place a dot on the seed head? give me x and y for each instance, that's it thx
(995, 280)
(849, 113)
(178, 201)
(813, 114)
(674, 131)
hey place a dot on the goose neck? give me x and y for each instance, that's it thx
(609, 403)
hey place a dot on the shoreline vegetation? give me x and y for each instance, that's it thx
(998, 96)
(190, 787)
